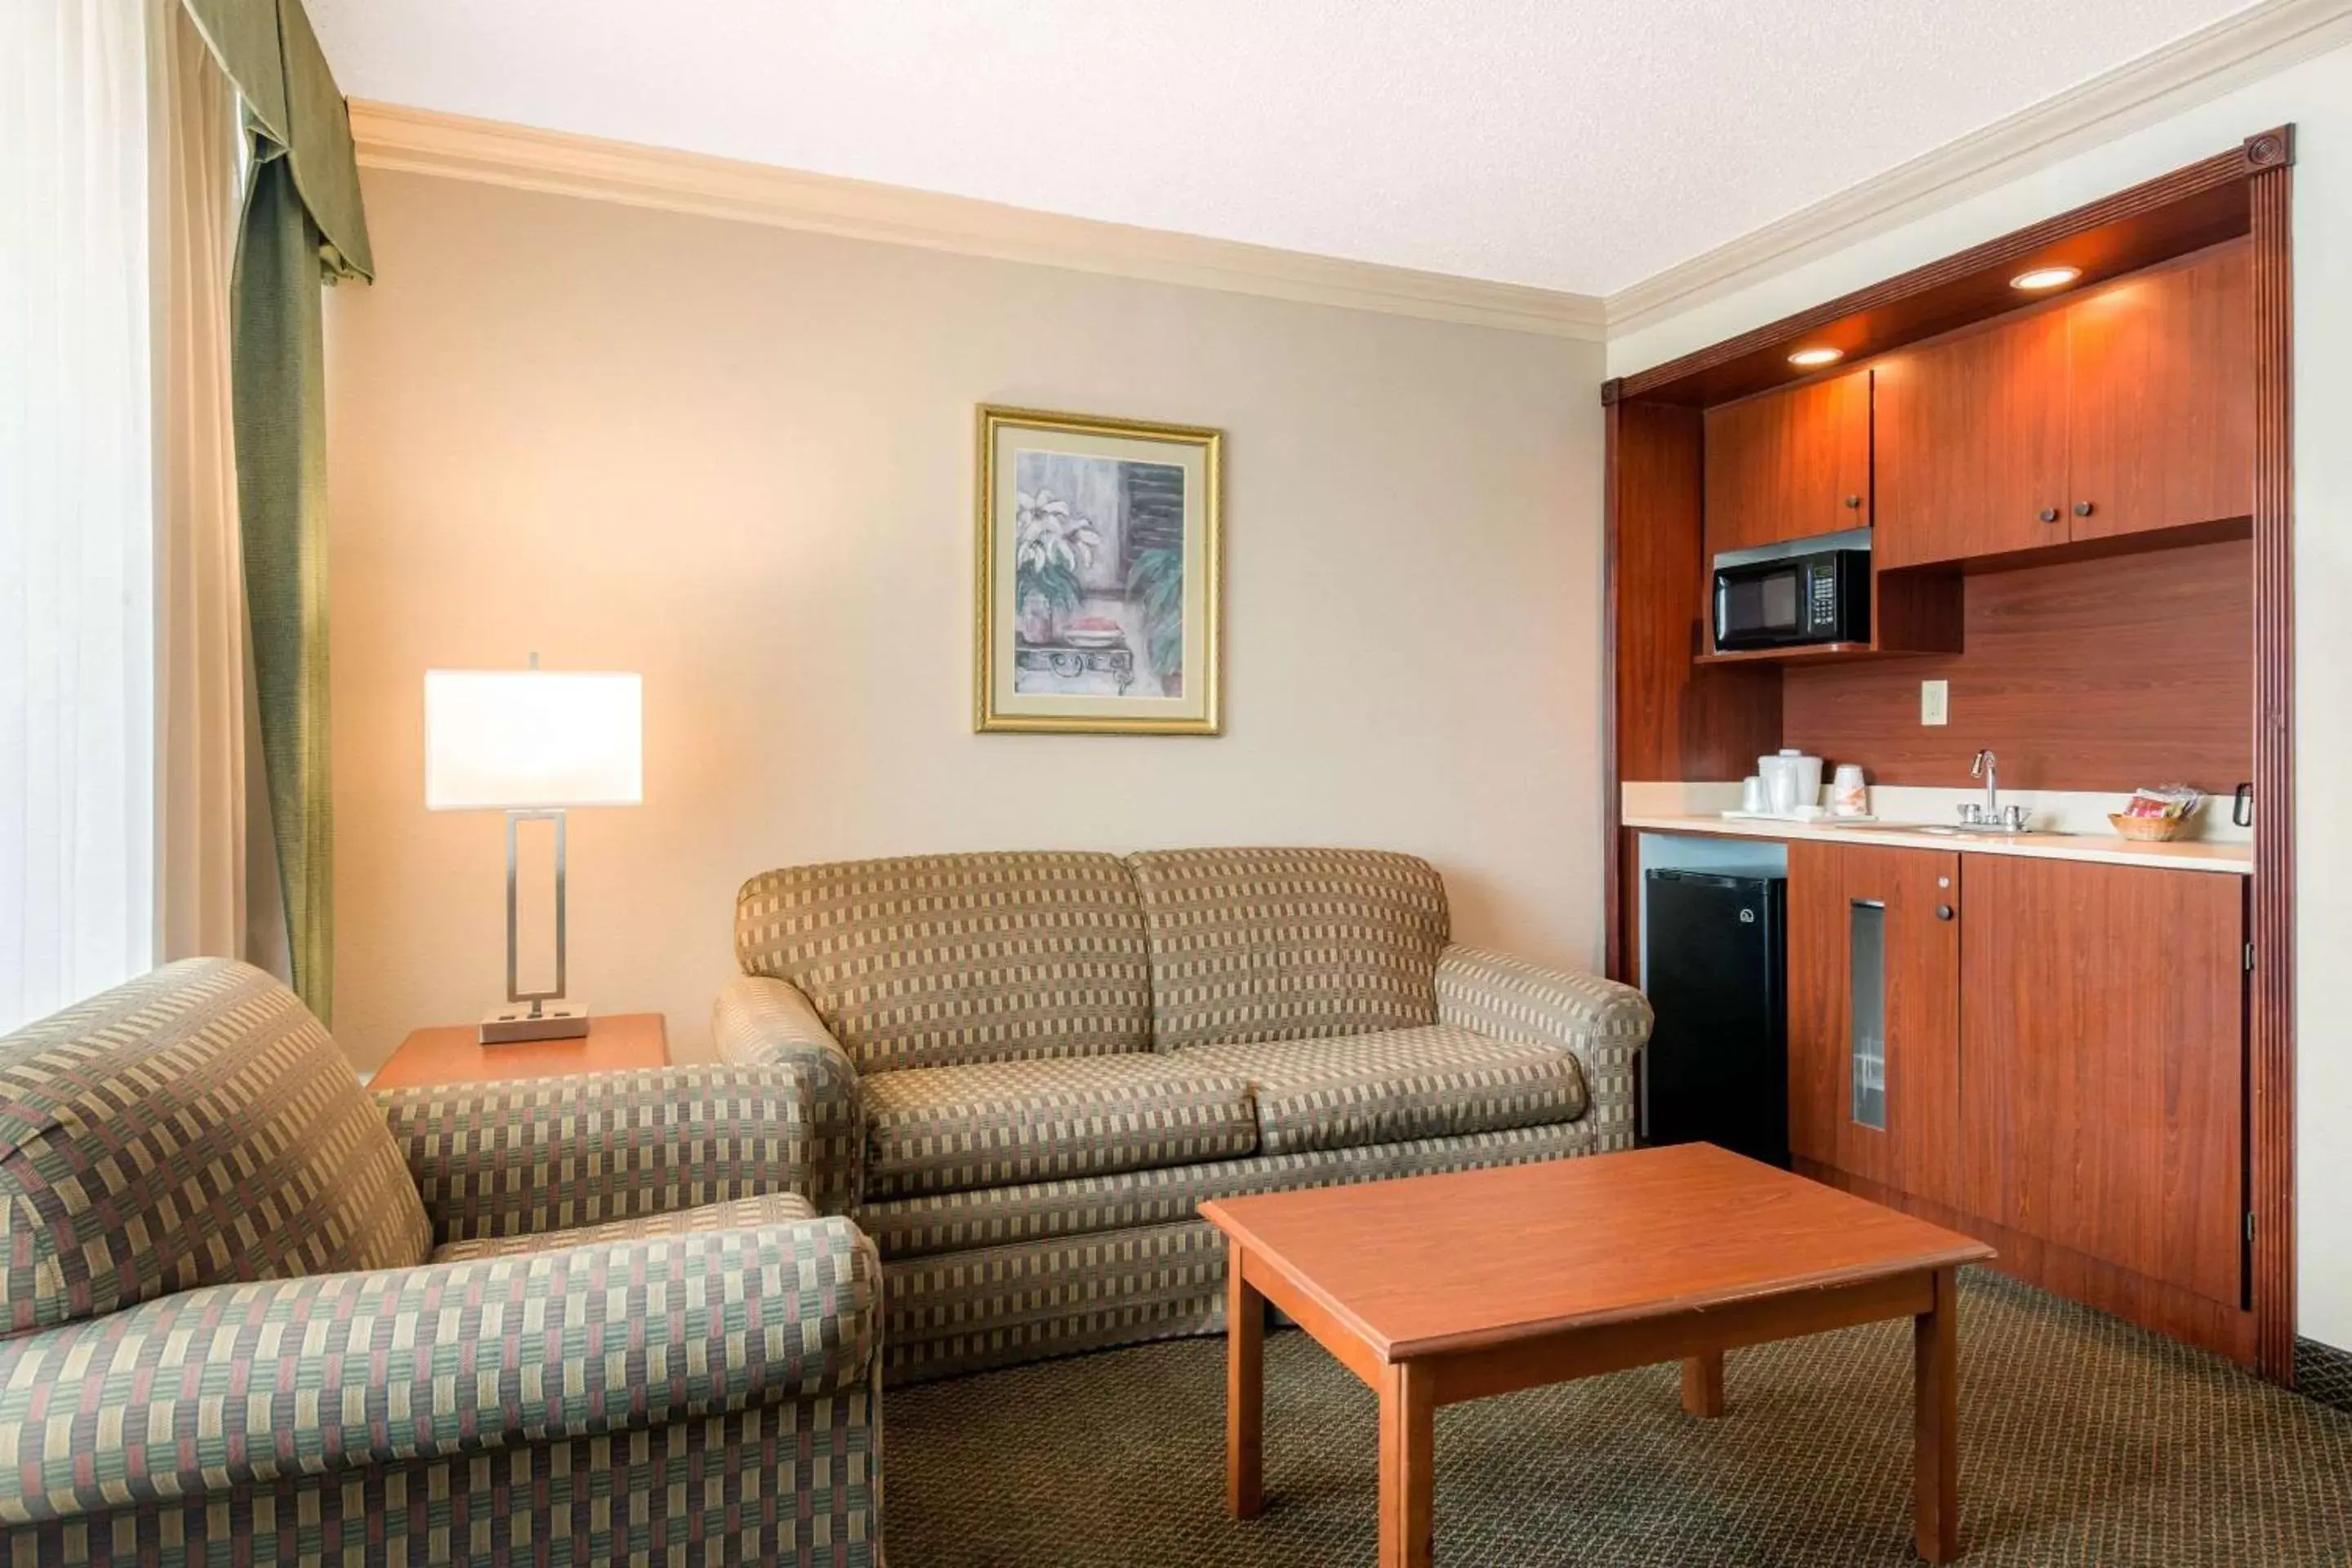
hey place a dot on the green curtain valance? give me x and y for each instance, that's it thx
(267, 48)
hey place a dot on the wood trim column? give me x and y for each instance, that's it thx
(1614, 960)
(2271, 1023)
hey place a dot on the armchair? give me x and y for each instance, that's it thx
(597, 1315)
(768, 1023)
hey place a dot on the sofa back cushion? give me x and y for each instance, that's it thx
(938, 960)
(194, 1127)
(1280, 945)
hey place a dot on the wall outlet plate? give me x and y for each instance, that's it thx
(1934, 702)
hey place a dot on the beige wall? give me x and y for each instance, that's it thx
(737, 459)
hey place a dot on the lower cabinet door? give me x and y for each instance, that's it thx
(2103, 1030)
(1873, 1014)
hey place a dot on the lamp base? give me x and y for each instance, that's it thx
(508, 1025)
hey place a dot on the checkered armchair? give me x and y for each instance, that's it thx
(253, 1315)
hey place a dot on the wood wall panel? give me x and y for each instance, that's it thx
(1672, 720)
(2087, 675)
(2272, 1021)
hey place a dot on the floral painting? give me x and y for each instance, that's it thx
(1098, 568)
(1099, 558)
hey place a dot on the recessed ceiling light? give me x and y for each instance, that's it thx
(2046, 278)
(1811, 357)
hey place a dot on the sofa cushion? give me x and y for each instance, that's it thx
(992, 1216)
(993, 1124)
(1436, 1081)
(736, 1213)
(194, 1127)
(943, 959)
(1275, 944)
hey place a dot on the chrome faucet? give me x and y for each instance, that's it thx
(1992, 813)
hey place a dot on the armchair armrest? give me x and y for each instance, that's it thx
(766, 1023)
(1605, 1024)
(236, 1384)
(535, 1155)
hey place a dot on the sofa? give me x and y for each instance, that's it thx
(1027, 1069)
(255, 1315)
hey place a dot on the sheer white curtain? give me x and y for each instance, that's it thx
(202, 697)
(77, 495)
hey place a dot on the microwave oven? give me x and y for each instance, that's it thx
(1820, 597)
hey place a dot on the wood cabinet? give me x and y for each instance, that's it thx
(2121, 412)
(1874, 1015)
(2101, 1025)
(1789, 464)
(1971, 445)
(2163, 431)
(2061, 1047)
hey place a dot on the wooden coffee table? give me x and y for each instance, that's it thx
(1436, 1290)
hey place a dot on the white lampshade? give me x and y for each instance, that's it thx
(518, 739)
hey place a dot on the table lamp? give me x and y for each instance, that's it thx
(534, 743)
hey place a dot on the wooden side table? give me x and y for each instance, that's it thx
(450, 1053)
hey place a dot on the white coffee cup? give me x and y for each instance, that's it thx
(1848, 796)
(1753, 796)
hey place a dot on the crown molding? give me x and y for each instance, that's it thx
(2264, 38)
(421, 142)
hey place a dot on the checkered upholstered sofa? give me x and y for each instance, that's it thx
(1029, 1068)
(253, 1315)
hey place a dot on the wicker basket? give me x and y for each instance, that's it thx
(2149, 829)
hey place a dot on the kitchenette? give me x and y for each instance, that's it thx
(1950, 753)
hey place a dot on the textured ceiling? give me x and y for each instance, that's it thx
(1573, 144)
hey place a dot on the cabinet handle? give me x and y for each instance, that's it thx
(1853, 501)
(2081, 508)
(2049, 514)
(1943, 912)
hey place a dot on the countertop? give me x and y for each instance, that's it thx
(2186, 855)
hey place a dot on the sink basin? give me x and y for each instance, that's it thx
(1971, 830)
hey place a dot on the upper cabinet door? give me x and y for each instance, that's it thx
(1971, 444)
(2163, 421)
(1789, 465)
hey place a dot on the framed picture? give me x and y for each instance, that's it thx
(1097, 575)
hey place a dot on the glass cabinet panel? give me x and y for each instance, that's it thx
(1866, 980)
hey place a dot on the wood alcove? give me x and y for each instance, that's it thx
(1675, 714)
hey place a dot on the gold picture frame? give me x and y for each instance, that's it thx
(1099, 567)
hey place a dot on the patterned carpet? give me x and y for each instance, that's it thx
(2085, 1441)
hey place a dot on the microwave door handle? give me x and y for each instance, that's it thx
(1722, 607)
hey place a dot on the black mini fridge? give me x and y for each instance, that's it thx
(1716, 1070)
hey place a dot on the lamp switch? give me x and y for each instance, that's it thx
(1934, 701)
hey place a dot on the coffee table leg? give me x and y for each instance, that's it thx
(1408, 1464)
(1703, 1385)
(1245, 1389)
(1935, 1479)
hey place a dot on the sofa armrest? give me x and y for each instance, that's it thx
(533, 1155)
(766, 1023)
(1605, 1024)
(232, 1385)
